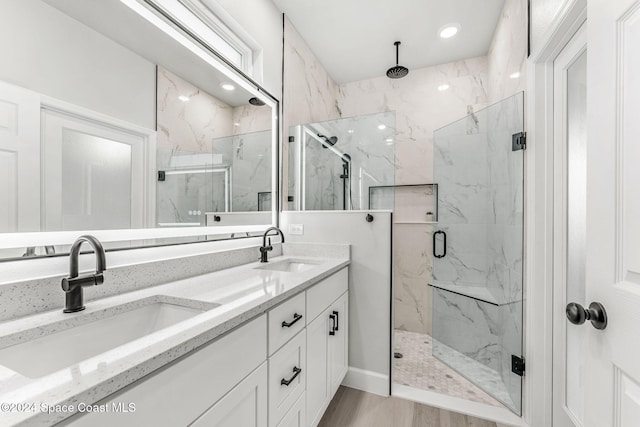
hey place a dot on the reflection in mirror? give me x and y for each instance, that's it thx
(108, 122)
(211, 157)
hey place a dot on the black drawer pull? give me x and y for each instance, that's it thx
(337, 320)
(296, 372)
(296, 317)
(333, 324)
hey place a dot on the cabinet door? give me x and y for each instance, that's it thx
(245, 405)
(317, 367)
(339, 343)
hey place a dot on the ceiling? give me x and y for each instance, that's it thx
(119, 23)
(353, 39)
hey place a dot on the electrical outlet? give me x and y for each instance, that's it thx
(297, 229)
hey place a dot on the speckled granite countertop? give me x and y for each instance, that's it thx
(243, 293)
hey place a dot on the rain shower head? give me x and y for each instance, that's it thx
(328, 141)
(256, 101)
(398, 71)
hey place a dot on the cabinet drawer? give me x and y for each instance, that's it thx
(245, 405)
(285, 321)
(321, 295)
(296, 416)
(287, 377)
(179, 393)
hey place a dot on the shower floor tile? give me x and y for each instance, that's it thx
(420, 369)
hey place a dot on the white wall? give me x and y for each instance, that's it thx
(369, 286)
(262, 21)
(508, 53)
(46, 51)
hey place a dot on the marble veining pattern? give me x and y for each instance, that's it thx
(219, 156)
(104, 374)
(367, 140)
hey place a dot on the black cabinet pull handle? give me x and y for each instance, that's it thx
(337, 320)
(296, 317)
(444, 244)
(333, 324)
(296, 372)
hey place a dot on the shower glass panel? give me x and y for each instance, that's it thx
(186, 194)
(477, 281)
(337, 161)
(231, 174)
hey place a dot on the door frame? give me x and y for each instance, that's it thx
(539, 214)
(146, 146)
(576, 47)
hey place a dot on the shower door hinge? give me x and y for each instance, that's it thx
(518, 141)
(517, 365)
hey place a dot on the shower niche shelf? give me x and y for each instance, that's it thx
(410, 203)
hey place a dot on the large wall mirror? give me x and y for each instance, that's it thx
(114, 117)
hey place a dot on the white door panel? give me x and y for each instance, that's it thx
(95, 174)
(19, 159)
(570, 122)
(613, 213)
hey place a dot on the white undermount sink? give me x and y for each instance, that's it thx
(289, 265)
(46, 354)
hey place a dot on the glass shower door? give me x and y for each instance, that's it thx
(478, 249)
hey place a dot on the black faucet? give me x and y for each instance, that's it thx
(72, 285)
(264, 249)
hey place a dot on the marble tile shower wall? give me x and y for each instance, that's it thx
(250, 156)
(420, 109)
(198, 133)
(372, 161)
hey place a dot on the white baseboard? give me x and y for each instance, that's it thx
(369, 381)
(456, 404)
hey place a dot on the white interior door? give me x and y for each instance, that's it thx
(613, 213)
(95, 175)
(19, 159)
(570, 136)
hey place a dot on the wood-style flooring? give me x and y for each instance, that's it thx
(355, 408)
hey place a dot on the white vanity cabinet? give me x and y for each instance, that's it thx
(327, 343)
(245, 405)
(185, 390)
(278, 370)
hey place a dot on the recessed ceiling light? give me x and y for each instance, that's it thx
(514, 75)
(227, 86)
(236, 124)
(389, 139)
(443, 87)
(382, 126)
(350, 131)
(183, 98)
(449, 30)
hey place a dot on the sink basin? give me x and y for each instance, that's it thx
(46, 354)
(289, 266)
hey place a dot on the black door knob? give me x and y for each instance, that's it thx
(595, 313)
